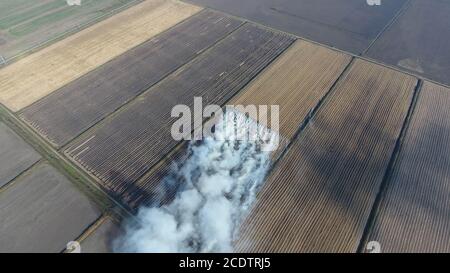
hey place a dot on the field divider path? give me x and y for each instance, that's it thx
(389, 171)
(394, 19)
(11, 183)
(16, 156)
(413, 216)
(311, 115)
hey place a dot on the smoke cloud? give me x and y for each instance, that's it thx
(219, 179)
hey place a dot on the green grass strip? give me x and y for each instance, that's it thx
(59, 15)
(8, 7)
(15, 19)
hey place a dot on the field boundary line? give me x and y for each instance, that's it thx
(92, 228)
(389, 170)
(313, 111)
(3, 62)
(399, 13)
(23, 173)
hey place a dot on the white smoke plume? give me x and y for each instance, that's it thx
(220, 179)
(73, 2)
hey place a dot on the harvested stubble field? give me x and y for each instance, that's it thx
(64, 114)
(419, 41)
(296, 81)
(43, 72)
(319, 197)
(125, 146)
(16, 155)
(26, 24)
(415, 209)
(42, 211)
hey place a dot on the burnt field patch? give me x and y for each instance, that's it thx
(300, 77)
(125, 146)
(67, 112)
(319, 197)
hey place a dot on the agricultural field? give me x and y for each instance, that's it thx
(16, 155)
(42, 211)
(100, 237)
(64, 114)
(319, 197)
(414, 212)
(47, 70)
(349, 25)
(418, 41)
(25, 24)
(301, 76)
(125, 146)
(90, 91)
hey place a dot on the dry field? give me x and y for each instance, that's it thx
(42, 211)
(414, 215)
(67, 112)
(41, 73)
(319, 197)
(125, 146)
(296, 81)
(16, 155)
